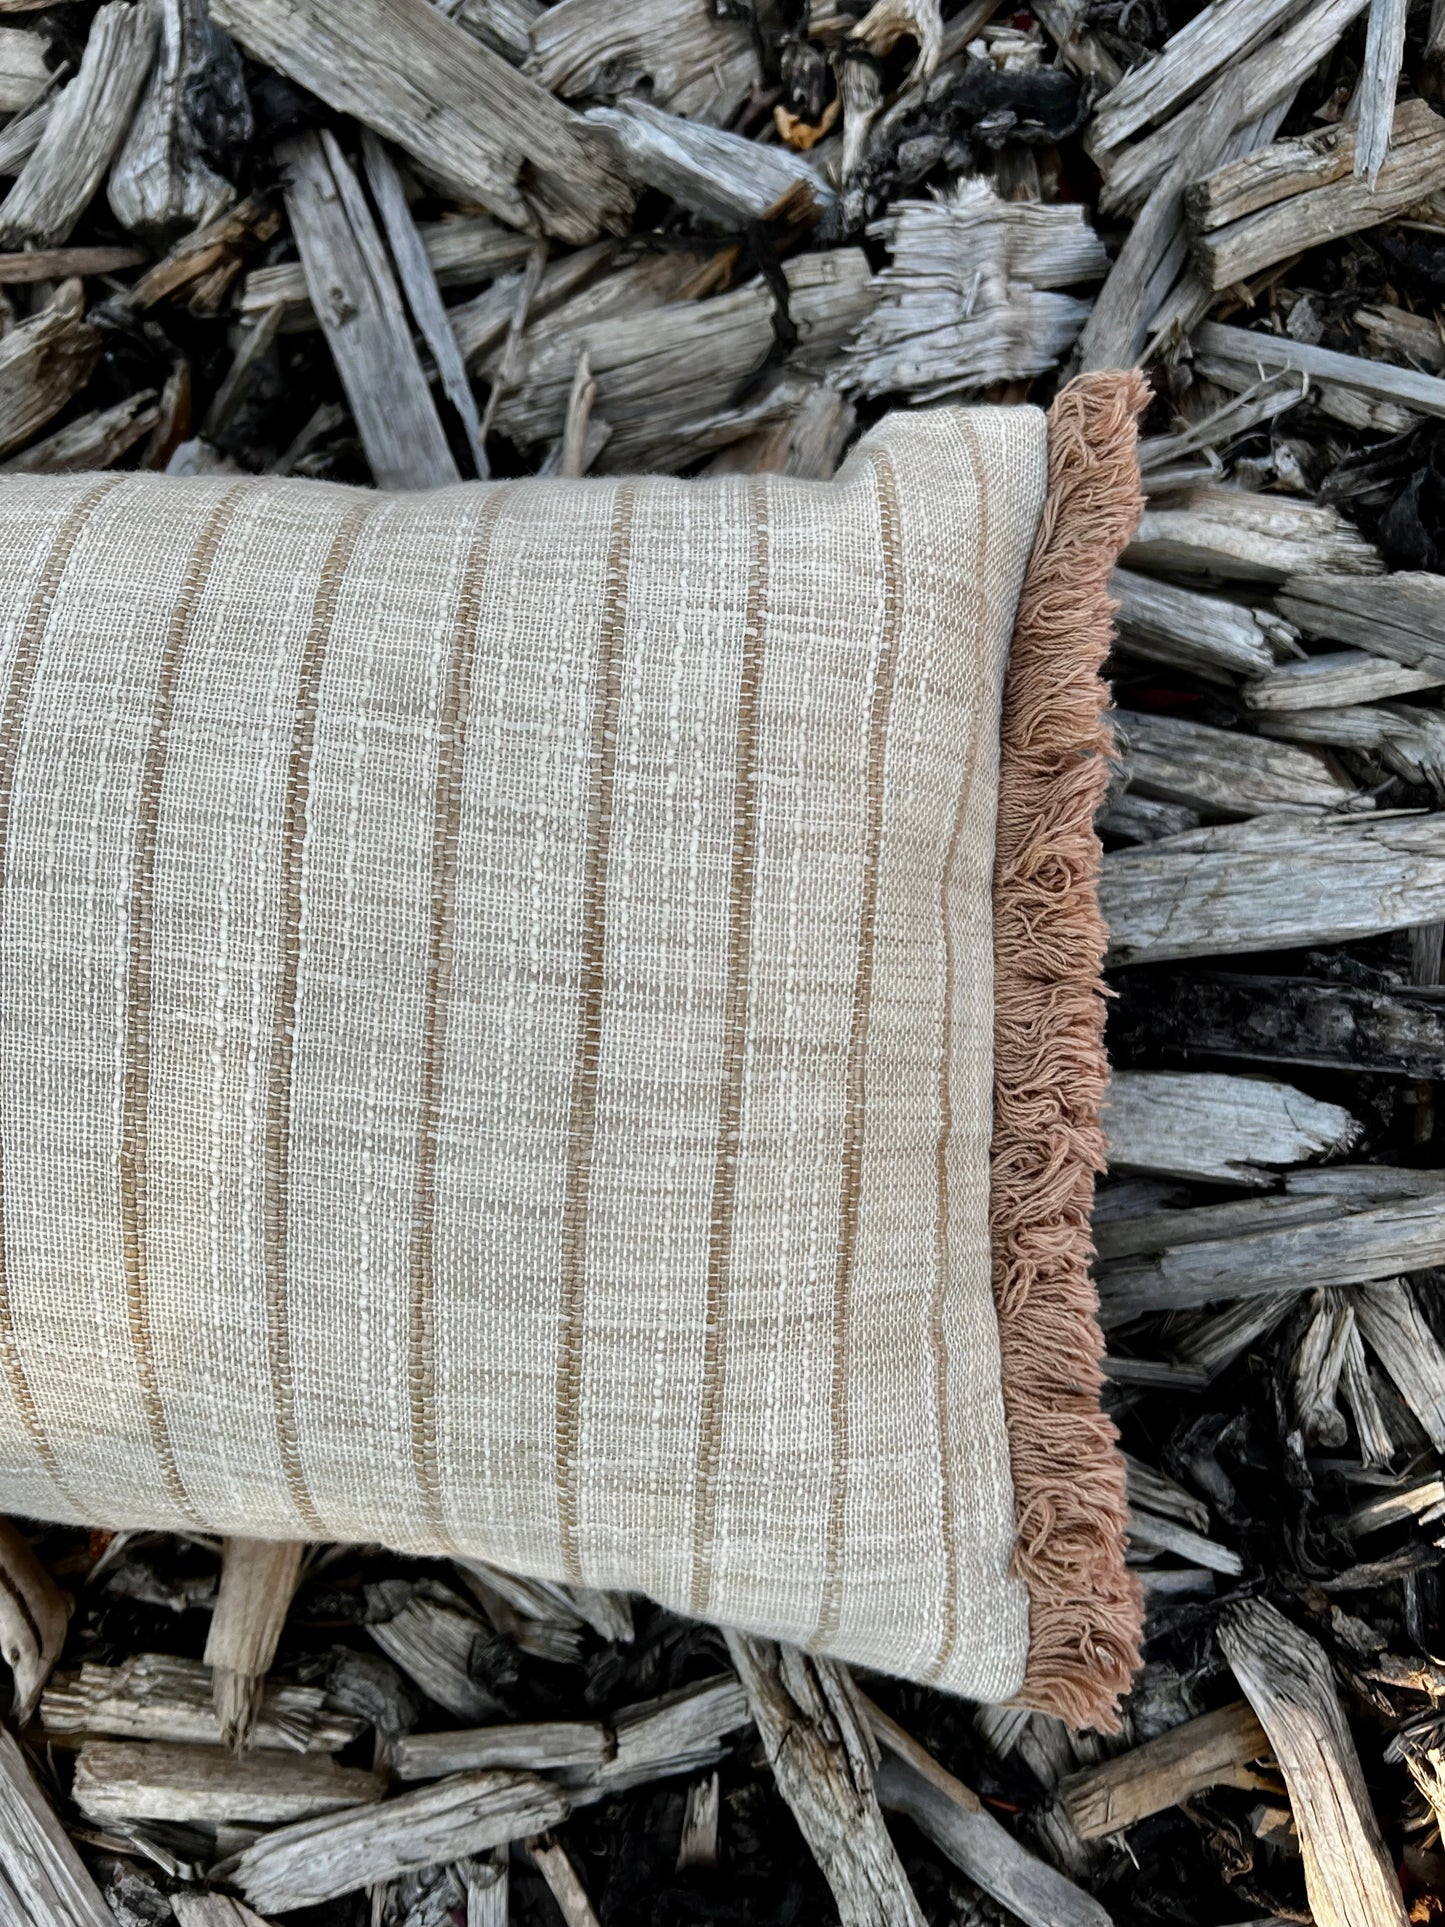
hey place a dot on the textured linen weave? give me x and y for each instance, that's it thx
(495, 1026)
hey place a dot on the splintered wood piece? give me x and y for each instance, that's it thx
(1228, 1130)
(422, 293)
(24, 73)
(1215, 892)
(432, 1637)
(1217, 1749)
(809, 444)
(681, 1732)
(92, 441)
(161, 184)
(1379, 78)
(700, 63)
(1281, 1251)
(156, 1696)
(1218, 37)
(21, 136)
(1402, 616)
(814, 1727)
(43, 1880)
(1270, 74)
(1226, 773)
(1315, 1373)
(1153, 1534)
(579, 444)
(1299, 193)
(668, 376)
(1288, 1020)
(1406, 738)
(1401, 1337)
(57, 264)
(1132, 818)
(34, 1613)
(698, 1846)
(212, 1910)
(487, 1883)
(1189, 630)
(1211, 1343)
(43, 362)
(205, 1785)
(315, 1860)
(1079, 49)
(1237, 357)
(83, 130)
(551, 1860)
(354, 292)
(970, 296)
(1415, 1501)
(258, 1577)
(1358, 1389)
(1287, 1679)
(540, 1747)
(727, 180)
(1148, 263)
(204, 264)
(1337, 680)
(951, 1815)
(1261, 538)
(471, 120)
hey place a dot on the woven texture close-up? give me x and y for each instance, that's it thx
(497, 1031)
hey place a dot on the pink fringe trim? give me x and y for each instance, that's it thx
(1085, 1607)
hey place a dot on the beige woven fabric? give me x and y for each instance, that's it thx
(495, 1026)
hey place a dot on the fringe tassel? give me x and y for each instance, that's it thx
(1050, 1070)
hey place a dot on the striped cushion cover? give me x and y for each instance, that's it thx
(497, 1030)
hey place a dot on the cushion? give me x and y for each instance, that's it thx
(498, 1001)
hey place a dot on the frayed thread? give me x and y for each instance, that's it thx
(1050, 1069)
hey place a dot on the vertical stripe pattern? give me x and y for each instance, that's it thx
(850, 1183)
(277, 1142)
(136, 1095)
(582, 1122)
(482, 1069)
(440, 955)
(12, 731)
(734, 1034)
(943, 1245)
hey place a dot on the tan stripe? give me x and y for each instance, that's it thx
(851, 1176)
(277, 1144)
(12, 726)
(135, 1094)
(582, 1124)
(446, 829)
(938, 1331)
(735, 1017)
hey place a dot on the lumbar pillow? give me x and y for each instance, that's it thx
(554, 1022)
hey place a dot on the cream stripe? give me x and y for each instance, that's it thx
(735, 1017)
(12, 725)
(446, 829)
(973, 723)
(135, 1095)
(277, 1142)
(582, 1124)
(851, 1175)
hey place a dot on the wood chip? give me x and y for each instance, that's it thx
(258, 1577)
(1286, 1678)
(315, 1860)
(1228, 1130)
(34, 1614)
(487, 132)
(814, 1729)
(204, 1785)
(1217, 1749)
(157, 1696)
(43, 1880)
(1216, 892)
(83, 130)
(354, 292)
